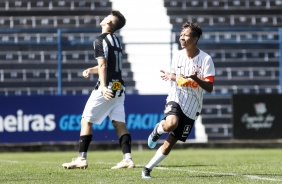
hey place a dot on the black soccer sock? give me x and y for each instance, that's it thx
(84, 143)
(125, 143)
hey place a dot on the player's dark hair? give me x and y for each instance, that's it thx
(120, 20)
(195, 28)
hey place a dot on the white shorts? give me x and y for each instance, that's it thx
(98, 108)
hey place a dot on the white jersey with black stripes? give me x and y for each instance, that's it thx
(186, 92)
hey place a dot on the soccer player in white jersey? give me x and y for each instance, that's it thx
(192, 72)
(107, 99)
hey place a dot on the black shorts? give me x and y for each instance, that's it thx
(185, 124)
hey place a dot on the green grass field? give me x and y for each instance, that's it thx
(205, 166)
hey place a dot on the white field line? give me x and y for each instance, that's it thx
(9, 161)
(221, 173)
(205, 172)
(261, 178)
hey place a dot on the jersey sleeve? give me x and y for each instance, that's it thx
(98, 49)
(174, 62)
(209, 68)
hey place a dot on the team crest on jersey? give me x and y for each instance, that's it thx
(116, 86)
(197, 69)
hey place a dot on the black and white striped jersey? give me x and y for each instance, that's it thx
(186, 92)
(109, 46)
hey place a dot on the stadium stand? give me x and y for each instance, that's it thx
(29, 46)
(242, 37)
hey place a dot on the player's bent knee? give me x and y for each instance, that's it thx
(170, 126)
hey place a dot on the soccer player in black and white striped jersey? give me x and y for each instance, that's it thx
(192, 72)
(107, 99)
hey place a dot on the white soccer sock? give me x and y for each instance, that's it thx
(127, 156)
(160, 129)
(156, 159)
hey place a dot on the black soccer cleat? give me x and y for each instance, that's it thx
(146, 173)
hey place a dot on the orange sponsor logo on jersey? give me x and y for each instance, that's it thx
(187, 83)
(117, 86)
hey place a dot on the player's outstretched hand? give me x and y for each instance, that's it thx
(193, 76)
(165, 75)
